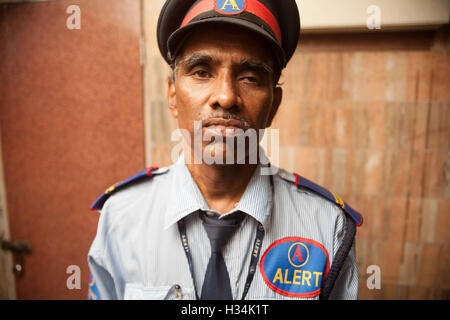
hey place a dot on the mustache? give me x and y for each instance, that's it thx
(244, 122)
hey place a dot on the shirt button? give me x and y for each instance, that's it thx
(210, 214)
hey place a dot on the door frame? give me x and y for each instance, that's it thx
(7, 280)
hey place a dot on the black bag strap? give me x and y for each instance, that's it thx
(339, 259)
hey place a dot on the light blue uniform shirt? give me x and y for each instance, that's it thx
(137, 252)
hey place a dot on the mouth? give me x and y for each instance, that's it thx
(221, 126)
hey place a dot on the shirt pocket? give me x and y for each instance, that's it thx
(136, 291)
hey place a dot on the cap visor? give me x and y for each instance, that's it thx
(177, 39)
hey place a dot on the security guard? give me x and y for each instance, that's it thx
(209, 230)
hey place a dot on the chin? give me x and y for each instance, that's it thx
(223, 154)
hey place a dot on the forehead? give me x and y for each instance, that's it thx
(227, 41)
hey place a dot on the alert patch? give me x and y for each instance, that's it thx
(295, 267)
(230, 7)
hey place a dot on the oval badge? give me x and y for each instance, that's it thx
(230, 6)
(295, 267)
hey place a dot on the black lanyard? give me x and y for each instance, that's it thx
(256, 250)
(253, 260)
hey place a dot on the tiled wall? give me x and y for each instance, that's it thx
(368, 116)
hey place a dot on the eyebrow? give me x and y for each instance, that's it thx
(198, 59)
(256, 65)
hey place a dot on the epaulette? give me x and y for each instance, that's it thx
(333, 197)
(144, 174)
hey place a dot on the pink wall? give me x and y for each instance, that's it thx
(71, 125)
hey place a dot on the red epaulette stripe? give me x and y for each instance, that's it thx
(149, 171)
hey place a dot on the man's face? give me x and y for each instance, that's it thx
(224, 78)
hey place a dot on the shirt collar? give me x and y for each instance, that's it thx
(184, 197)
(256, 200)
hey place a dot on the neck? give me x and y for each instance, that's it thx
(222, 186)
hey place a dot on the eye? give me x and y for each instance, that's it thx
(250, 77)
(201, 73)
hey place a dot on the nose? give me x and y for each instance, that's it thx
(225, 94)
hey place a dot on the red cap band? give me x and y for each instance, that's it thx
(252, 6)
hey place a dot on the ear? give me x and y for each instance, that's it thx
(172, 97)
(277, 97)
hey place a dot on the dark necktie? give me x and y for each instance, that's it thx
(216, 285)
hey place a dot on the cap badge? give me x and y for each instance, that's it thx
(230, 7)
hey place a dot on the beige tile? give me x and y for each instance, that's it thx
(388, 257)
(348, 75)
(414, 207)
(335, 74)
(397, 292)
(370, 72)
(427, 220)
(443, 266)
(420, 125)
(286, 158)
(441, 294)
(418, 75)
(366, 294)
(399, 125)
(377, 130)
(361, 121)
(357, 165)
(421, 220)
(427, 266)
(295, 78)
(434, 177)
(309, 163)
(438, 128)
(161, 155)
(417, 174)
(338, 170)
(446, 180)
(408, 267)
(319, 77)
(321, 124)
(420, 293)
(343, 125)
(396, 81)
(349, 173)
(441, 230)
(395, 218)
(373, 172)
(287, 121)
(397, 173)
(441, 76)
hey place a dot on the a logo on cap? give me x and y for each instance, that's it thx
(230, 7)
